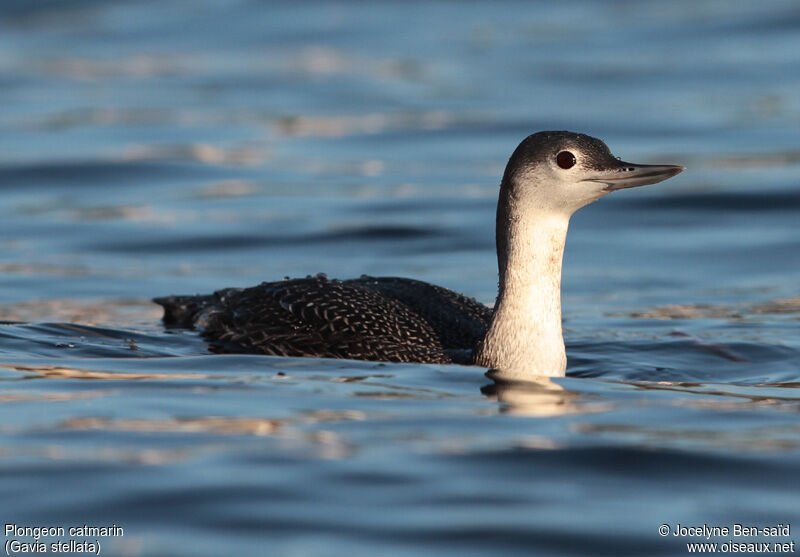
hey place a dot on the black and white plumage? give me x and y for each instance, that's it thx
(548, 177)
(368, 318)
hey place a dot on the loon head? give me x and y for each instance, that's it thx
(560, 171)
(548, 177)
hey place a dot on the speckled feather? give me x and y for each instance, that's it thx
(369, 318)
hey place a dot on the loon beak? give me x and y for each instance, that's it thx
(629, 175)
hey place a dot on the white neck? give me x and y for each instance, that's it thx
(525, 338)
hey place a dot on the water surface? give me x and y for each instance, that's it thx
(149, 149)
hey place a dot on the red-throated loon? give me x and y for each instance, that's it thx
(549, 176)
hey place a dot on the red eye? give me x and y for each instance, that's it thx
(565, 160)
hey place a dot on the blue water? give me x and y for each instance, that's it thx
(150, 148)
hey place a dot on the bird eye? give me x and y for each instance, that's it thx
(565, 160)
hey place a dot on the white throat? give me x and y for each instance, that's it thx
(525, 338)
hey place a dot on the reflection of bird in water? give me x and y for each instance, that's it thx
(539, 397)
(548, 177)
(536, 396)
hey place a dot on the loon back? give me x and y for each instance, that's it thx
(368, 318)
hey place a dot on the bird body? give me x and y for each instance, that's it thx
(548, 177)
(368, 318)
